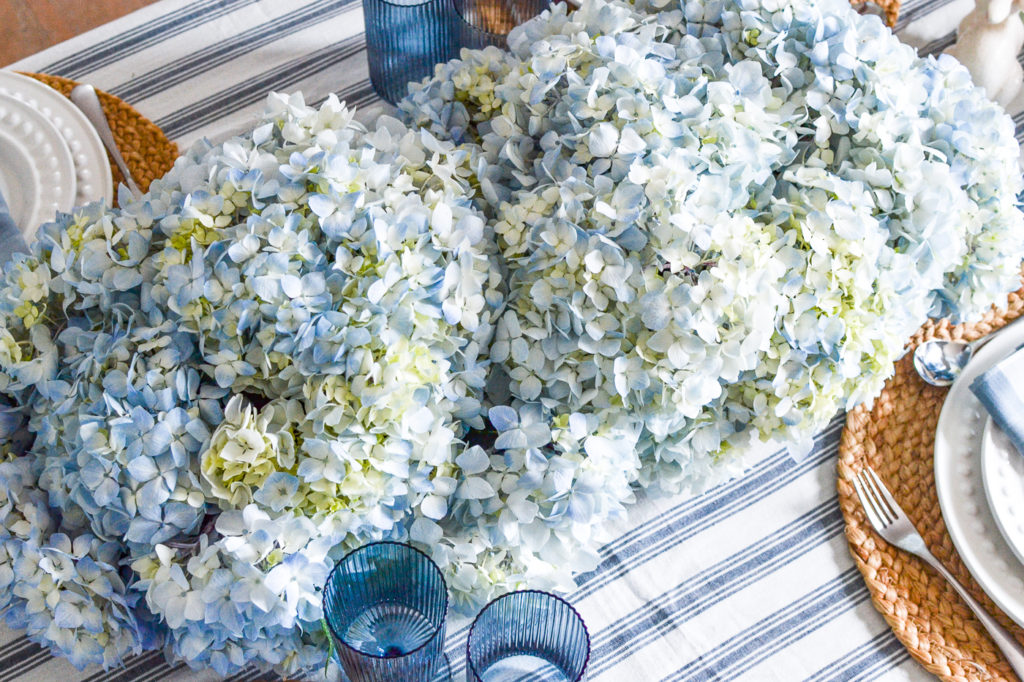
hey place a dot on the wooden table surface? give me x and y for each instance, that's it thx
(28, 26)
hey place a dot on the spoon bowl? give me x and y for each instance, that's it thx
(939, 362)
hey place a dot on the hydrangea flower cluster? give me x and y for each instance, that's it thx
(725, 218)
(272, 356)
(650, 234)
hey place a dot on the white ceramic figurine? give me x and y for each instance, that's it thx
(987, 43)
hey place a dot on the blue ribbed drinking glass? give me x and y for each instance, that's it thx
(385, 605)
(404, 40)
(528, 635)
(479, 23)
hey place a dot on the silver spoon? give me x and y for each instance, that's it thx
(939, 362)
(85, 98)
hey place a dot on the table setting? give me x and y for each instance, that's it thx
(436, 340)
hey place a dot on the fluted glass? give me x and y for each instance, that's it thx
(404, 40)
(385, 605)
(528, 635)
(479, 23)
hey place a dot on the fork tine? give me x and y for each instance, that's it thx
(894, 508)
(872, 491)
(868, 503)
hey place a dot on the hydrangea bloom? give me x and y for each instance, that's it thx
(250, 596)
(650, 234)
(725, 218)
(535, 509)
(294, 325)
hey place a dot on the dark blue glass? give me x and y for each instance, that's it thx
(404, 40)
(385, 605)
(528, 635)
(480, 23)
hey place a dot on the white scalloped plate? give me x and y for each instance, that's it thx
(93, 181)
(1002, 470)
(958, 482)
(38, 189)
(19, 189)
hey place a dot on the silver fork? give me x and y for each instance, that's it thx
(892, 523)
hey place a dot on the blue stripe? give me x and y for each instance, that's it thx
(133, 670)
(361, 93)
(731, 574)
(697, 516)
(255, 89)
(748, 648)
(879, 654)
(162, 671)
(883, 662)
(670, 610)
(656, 527)
(917, 9)
(355, 96)
(840, 666)
(198, 63)
(779, 461)
(26, 657)
(690, 598)
(143, 36)
(251, 674)
(938, 45)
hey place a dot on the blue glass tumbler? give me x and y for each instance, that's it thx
(479, 23)
(404, 40)
(528, 635)
(385, 605)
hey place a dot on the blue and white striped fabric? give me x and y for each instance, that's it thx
(1000, 390)
(751, 581)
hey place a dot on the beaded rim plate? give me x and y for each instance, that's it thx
(19, 178)
(961, 492)
(1002, 470)
(93, 180)
(51, 187)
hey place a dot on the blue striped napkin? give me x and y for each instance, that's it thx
(1001, 391)
(11, 240)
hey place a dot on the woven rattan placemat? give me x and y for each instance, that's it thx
(895, 436)
(145, 148)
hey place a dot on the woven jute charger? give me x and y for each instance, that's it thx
(145, 148)
(895, 436)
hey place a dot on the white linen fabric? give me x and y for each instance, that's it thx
(750, 581)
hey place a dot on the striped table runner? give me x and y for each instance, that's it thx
(751, 581)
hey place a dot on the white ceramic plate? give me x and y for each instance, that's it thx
(958, 481)
(93, 181)
(1002, 470)
(50, 186)
(19, 178)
